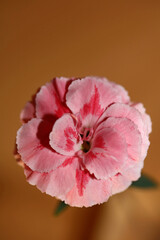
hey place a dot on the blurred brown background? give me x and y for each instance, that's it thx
(43, 39)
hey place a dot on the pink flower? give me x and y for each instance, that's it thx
(82, 140)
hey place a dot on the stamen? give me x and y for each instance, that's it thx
(86, 146)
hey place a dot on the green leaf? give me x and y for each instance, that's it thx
(144, 182)
(60, 207)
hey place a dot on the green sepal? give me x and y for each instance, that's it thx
(144, 182)
(60, 208)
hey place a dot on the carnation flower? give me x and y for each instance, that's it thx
(82, 140)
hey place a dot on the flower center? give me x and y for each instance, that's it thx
(86, 146)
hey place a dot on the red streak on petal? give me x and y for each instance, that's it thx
(70, 134)
(69, 144)
(82, 178)
(68, 161)
(93, 106)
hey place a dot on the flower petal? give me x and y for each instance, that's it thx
(124, 111)
(49, 99)
(28, 112)
(64, 138)
(89, 197)
(129, 130)
(146, 118)
(107, 155)
(33, 146)
(120, 183)
(132, 170)
(61, 85)
(89, 97)
(123, 180)
(122, 91)
(56, 182)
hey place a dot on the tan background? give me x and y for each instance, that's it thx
(42, 39)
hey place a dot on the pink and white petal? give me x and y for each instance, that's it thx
(125, 111)
(48, 101)
(89, 197)
(28, 112)
(64, 137)
(132, 170)
(61, 84)
(122, 91)
(90, 96)
(129, 130)
(33, 146)
(107, 155)
(119, 183)
(56, 182)
(146, 118)
(82, 178)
